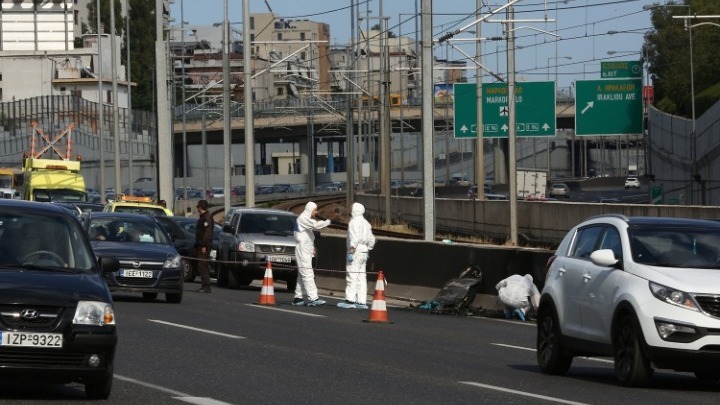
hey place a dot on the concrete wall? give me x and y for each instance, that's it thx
(417, 270)
(544, 221)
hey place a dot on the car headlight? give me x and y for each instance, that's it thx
(94, 313)
(246, 247)
(673, 296)
(172, 263)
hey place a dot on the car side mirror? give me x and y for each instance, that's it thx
(604, 258)
(227, 229)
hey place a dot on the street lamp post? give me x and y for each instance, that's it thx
(693, 146)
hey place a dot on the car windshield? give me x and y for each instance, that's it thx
(140, 230)
(267, 223)
(676, 247)
(43, 242)
(129, 209)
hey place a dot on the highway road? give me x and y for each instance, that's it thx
(221, 348)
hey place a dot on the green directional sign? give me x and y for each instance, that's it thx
(621, 69)
(534, 104)
(608, 107)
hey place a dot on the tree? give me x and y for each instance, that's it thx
(376, 27)
(668, 51)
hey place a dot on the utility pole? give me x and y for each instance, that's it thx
(164, 122)
(227, 119)
(249, 134)
(428, 129)
(384, 130)
(116, 119)
(479, 150)
(512, 124)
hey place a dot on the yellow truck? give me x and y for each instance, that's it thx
(53, 180)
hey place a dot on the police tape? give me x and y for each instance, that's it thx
(280, 266)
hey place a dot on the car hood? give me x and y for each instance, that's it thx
(263, 239)
(34, 287)
(134, 250)
(685, 279)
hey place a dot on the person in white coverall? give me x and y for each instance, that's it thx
(306, 291)
(360, 242)
(518, 295)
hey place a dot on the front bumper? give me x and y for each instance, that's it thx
(254, 264)
(162, 281)
(67, 364)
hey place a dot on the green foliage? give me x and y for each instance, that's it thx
(668, 52)
(142, 53)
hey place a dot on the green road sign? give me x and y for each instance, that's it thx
(534, 104)
(608, 107)
(621, 69)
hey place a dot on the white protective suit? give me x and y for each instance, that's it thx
(518, 292)
(360, 242)
(304, 251)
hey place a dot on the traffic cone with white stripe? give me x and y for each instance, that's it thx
(267, 292)
(378, 311)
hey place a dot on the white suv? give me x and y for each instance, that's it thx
(643, 290)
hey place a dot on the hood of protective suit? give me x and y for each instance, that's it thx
(309, 207)
(357, 210)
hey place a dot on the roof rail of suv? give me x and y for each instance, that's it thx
(619, 216)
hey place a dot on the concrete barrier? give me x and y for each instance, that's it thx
(416, 270)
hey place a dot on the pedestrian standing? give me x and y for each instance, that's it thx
(306, 291)
(203, 244)
(360, 242)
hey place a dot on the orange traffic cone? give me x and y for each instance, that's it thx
(267, 292)
(378, 311)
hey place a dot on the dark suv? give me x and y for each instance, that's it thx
(57, 323)
(254, 237)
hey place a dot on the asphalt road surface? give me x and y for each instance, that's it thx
(222, 348)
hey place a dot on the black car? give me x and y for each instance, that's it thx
(149, 263)
(182, 233)
(57, 323)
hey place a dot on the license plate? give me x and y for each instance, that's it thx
(47, 340)
(279, 259)
(136, 273)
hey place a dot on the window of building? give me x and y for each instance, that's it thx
(76, 93)
(303, 55)
(302, 36)
(76, 17)
(280, 91)
(279, 36)
(252, 23)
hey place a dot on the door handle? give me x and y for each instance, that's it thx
(587, 277)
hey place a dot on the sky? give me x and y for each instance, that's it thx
(569, 47)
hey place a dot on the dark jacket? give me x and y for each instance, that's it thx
(204, 231)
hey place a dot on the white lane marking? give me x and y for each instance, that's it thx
(523, 393)
(201, 401)
(176, 394)
(285, 310)
(533, 350)
(211, 332)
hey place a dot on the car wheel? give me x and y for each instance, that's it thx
(291, 284)
(188, 271)
(632, 367)
(707, 376)
(99, 389)
(149, 296)
(551, 355)
(174, 298)
(222, 275)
